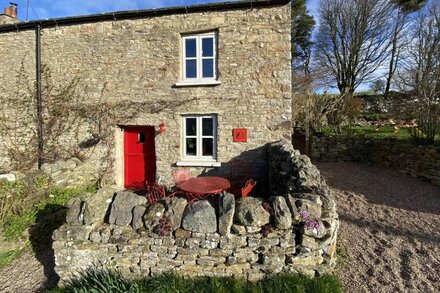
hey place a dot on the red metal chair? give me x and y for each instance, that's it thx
(239, 176)
(249, 188)
(239, 171)
(181, 175)
(155, 192)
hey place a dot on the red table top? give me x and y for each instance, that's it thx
(205, 185)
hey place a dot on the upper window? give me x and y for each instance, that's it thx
(199, 137)
(199, 57)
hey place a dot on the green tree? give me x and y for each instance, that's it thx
(302, 28)
(410, 5)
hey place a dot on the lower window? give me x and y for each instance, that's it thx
(200, 137)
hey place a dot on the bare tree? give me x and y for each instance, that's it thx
(420, 74)
(378, 86)
(398, 43)
(352, 40)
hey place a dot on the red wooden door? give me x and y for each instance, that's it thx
(139, 156)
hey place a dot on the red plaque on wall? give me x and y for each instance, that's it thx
(239, 135)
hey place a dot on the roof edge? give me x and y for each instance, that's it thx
(133, 14)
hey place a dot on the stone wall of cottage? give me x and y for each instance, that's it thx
(292, 229)
(139, 61)
(6, 19)
(415, 160)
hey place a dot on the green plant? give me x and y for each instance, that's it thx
(111, 281)
(342, 255)
(375, 116)
(102, 281)
(168, 283)
(23, 201)
(7, 257)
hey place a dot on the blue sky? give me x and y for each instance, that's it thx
(41, 9)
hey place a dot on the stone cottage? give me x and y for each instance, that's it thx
(208, 83)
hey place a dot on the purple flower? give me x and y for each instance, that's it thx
(304, 214)
(309, 222)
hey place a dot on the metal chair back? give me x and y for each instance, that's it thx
(239, 171)
(249, 188)
(181, 175)
(155, 192)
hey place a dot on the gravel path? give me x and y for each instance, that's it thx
(31, 272)
(390, 229)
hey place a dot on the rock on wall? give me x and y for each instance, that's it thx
(417, 161)
(294, 231)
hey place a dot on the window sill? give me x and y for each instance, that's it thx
(198, 83)
(198, 164)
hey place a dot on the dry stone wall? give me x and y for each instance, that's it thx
(294, 230)
(415, 160)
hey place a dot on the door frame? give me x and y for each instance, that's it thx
(119, 167)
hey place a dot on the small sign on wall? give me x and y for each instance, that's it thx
(239, 135)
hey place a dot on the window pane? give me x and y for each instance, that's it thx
(207, 125)
(191, 68)
(141, 138)
(208, 68)
(207, 147)
(208, 47)
(191, 126)
(191, 147)
(190, 47)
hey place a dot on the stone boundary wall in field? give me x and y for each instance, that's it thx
(415, 160)
(293, 229)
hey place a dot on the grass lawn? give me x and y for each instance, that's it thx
(31, 203)
(108, 281)
(7, 257)
(380, 132)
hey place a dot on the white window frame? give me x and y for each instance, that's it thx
(199, 60)
(199, 139)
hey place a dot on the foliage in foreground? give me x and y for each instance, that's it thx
(7, 257)
(111, 281)
(27, 201)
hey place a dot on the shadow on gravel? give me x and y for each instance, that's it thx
(383, 186)
(389, 229)
(48, 220)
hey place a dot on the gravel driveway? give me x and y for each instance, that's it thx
(390, 229)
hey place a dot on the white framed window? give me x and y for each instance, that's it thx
(199, 138)
(199, 53)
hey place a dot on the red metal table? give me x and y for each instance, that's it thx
(202, 187)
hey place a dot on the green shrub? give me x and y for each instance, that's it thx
(111, 281)
(93, 281)
(374, 116)
(23, 201)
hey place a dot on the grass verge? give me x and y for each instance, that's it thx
(15, 224)
(110, 281)
(385, 132)
(7, 257)
(34, 205)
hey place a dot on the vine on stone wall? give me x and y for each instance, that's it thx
(74, 123)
